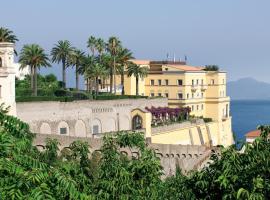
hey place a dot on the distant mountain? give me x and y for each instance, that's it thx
(248, 88)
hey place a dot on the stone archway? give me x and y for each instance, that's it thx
(124, 123)
(137, 122)
(96, 126)
(80, 129)
(63, 128)
(45, 128)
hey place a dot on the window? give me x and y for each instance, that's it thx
(187, 95)
(63, 130)
(137, 122)
(152, 82)
(1, 62)
(95, 129)
(197, 81)
(202, 106)
(159, 82)
(202, 81)
(180, 82)
(192, 108)
(166, 95)
(159, 94)
(202, 94)
(192, 95)
(197, 107)
(0, 91)
(166, 82)
(180, 96)
(152, 94)
(166, 69)
(192, 82)
(212, 82)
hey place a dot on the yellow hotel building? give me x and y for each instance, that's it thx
(203, 91)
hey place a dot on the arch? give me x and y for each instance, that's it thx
(124, 123)
(135, 154)
(45, 129)
(40, 147)
(137, 122)
(63, 128)
(110, 125)
(80, 129)
(96, 126)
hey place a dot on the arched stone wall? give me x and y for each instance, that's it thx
(109, 125)
(45, 128)
(124, 123)
(96, 126)
(80, 129)
(63, 128)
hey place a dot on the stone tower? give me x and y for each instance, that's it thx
(7, 76)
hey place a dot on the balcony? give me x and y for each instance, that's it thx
(203, 87)
(194, 88)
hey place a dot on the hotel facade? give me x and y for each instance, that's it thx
(178, 84)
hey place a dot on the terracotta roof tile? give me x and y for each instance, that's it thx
(254, 133)
(140, 62)
(186, 67)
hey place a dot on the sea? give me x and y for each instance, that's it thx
(247, 115)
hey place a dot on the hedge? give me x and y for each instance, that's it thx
(43, 98)
(107, 97)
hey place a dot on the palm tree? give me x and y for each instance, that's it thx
(113, 47)
(76, 59)
(62, 53)
(100, 47)
(87, 63)
(34, 56)
(137, 71)
(95, 71)
(7, 35)
(91, 44)
(123, 59)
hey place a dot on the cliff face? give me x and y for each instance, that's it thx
(249, 89)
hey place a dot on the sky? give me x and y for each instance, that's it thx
(234, 34)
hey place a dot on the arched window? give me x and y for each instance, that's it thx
(1, 62)
(137, 122)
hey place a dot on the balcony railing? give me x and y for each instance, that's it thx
(194, 88)
(203, 87)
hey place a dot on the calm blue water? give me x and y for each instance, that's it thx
(248, 114)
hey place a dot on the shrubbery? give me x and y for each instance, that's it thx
(75, 173)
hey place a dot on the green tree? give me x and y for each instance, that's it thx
(95, 71)
(138, 72)
(91, 44)
(113, 46)
(123, 59)
(62, 53)
(34, 56)
(76, 59)
(87, 63)
(7, 35)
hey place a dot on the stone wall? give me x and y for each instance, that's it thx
(187, 157)
(82, 118)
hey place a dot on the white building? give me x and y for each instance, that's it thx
(7, 76)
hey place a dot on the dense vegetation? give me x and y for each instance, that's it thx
(77, 173)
